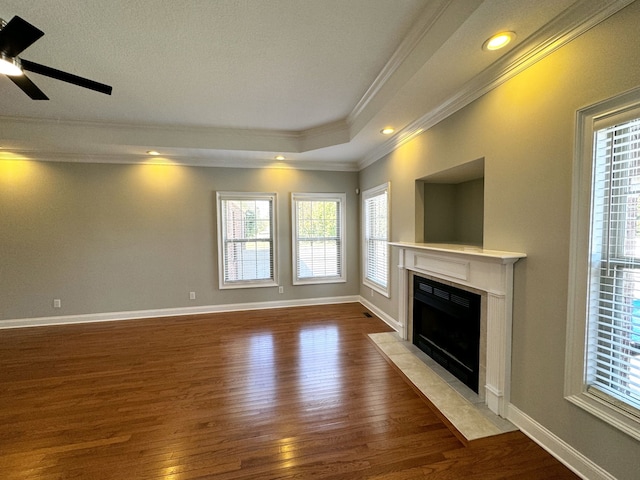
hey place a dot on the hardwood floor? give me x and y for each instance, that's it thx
(297, 393)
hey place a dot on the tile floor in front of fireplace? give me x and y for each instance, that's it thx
(462, 406)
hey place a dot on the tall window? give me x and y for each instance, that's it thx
(375, 218)
(610, 359)
(246, 239)
(318, 237)
(614, 333)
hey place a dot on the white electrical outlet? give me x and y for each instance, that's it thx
(192, 295)
(372, 292)
(280, 289)
(57, 303)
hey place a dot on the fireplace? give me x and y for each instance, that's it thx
(446, 326)
(485, 272)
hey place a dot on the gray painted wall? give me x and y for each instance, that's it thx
(119, 238)
(525, 129)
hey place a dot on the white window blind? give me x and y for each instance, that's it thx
(246, 240)
(613, 335)
(318, 238)
(376, 236)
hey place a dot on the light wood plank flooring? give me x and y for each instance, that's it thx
(296, 393)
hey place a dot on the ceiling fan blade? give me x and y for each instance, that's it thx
(65, 77)
(28, 87)
(17, 35)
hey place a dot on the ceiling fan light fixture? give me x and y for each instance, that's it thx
(10, 65)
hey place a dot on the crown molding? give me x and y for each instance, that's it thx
(292, 134)
(215, 160)
(436, 23)
(418, 31)
(327, 135)
(573, 22)
(143, 137)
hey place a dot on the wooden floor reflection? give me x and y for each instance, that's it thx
(297, 393)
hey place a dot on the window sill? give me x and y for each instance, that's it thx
(248, 284)
(319, 281)
(377, 288)
(607, 412)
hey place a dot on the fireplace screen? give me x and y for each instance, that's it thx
(446, 326)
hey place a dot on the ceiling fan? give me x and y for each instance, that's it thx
(15, 37)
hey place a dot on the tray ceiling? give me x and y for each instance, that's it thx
(236, 82)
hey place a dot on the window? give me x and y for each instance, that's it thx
(375, 217)
(318, 237)
(603, 373)
(246, 239)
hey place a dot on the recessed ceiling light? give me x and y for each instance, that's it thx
(153, 152)
(279, 157)
(387, 131)
(499, 41)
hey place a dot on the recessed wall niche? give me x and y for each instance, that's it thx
(451, 205)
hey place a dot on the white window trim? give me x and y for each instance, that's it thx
(576, 389)
(271, 282)
(372, 192)
(341, 198)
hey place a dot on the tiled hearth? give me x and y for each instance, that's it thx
(458, 403)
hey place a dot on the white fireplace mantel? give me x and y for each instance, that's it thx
(490, 271)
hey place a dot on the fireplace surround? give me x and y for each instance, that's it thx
(488, 272)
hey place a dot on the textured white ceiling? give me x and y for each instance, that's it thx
(241, 80)
(276, 64)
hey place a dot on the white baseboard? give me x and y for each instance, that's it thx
(386, 318)
(557, 447)
(170, 312)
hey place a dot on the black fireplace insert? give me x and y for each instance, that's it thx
(446, 326)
